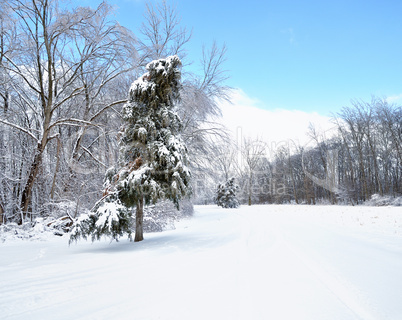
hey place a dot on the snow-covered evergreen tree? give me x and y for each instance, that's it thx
(226, 194)
(153, 158)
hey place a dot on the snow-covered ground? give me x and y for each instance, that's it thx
(259, 262)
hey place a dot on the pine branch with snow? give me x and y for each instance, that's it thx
(108, 218)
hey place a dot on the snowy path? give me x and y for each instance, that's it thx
(260, 262)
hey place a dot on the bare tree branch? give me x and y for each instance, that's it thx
(20, 129)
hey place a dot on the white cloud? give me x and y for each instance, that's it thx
(246, 117)
(394, 98)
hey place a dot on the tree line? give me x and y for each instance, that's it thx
(359, 157)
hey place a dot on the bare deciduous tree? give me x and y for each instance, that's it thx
(162, 34)
(253, 152)
(49, 64)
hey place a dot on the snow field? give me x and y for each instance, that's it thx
(259, 262)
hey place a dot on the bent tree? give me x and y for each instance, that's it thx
(153, 158)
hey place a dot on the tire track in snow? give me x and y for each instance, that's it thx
(345, 292)
(273, 238)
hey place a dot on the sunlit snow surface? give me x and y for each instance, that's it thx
(259, 262)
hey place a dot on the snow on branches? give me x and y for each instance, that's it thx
(226, 194)
(153, 157)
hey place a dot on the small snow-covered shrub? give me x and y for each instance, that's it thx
(62, 224)
(37, 230)
(226, 194)
(379, 201)
(58, 209)
(163, 214)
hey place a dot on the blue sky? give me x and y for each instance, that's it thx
(313, 56)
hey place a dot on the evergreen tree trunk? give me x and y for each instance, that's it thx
(139, 218)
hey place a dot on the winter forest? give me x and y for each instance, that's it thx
(65, 77)
(106, 131)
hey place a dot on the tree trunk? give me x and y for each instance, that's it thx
(250, 188)
(139, 218)
(56, 169)
(6, 99)
(1, 215)
(293, 180)
(309, 189)
(27, 193)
